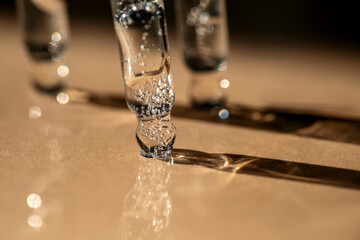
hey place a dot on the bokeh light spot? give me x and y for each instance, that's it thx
(35, 221)
(224, 83)
(34, 112)
(56, 37)
(33, 200)
(204, 18)
(222, 66)
(63, 71)
(62, 98)
(224, 114)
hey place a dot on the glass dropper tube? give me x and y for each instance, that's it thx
(45, 30)
(204, 37)
(140, 27)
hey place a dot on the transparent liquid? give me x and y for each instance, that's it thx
(141, 32)
(45, 31)
(151, 95)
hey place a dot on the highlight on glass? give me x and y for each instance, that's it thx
(141, 32)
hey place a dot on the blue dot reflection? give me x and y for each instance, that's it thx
(224, 114)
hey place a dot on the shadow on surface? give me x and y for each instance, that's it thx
(273, 168)
(276, 120)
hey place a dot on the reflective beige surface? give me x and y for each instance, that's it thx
(74, 172)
